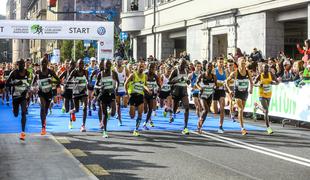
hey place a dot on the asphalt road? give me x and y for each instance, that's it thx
(171, 155)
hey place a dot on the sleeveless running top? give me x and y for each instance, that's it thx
(107, 84)
(44, 81)
(152, 84)
(182, 79)
(207, 86)
(136, 86)
(20, 91)
(241, 82)
(266, 90)
(121, 79)
(220, 79)
(165, 86)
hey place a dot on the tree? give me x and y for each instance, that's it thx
(79, 50)
(65, 50)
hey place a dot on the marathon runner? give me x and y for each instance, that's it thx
(20, 80)
(109, 82)
(242, 78)
(44, 79)
(80, 78)
(134, 86)
(179, 81)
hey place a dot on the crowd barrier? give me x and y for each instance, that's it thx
(287, 102)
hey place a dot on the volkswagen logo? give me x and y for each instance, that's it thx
(101, 31)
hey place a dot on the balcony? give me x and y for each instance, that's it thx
(132, 15)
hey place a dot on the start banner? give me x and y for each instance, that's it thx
(101, 31)
(288, 101)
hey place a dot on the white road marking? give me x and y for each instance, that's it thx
(259, 149)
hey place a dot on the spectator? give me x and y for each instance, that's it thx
(134, 6)
(256, 55)
(287, 74)
(238, 54)
(305, 50)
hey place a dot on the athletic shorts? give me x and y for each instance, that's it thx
(150, 97)
(121, 94)
(241, 95)
(90, 87)
(209, 100)
(178, 93)
(136, 99)
(219, 94)
(67, 94)
(164, 94)
(106, 98)
(80, 95)
(47, 96)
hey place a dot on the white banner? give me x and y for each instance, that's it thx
(62, 30)
(56, 56)
(288, 101)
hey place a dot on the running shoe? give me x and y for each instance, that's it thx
(101, 125)
(243, 132)
(89, 113)
(269, 131)
(152, 124)
(83, 129)
(70, 125)
(199, 130)
(185, 131)
(145, 127)
(105, 134)
(120, 124)
(220, 130)
(165, 113)
(63, 109)
(73, 117)
(178, 111)
(22, 136)
(136, 133)
(43, 131)
(171, 120)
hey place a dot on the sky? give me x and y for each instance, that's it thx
(3, 7)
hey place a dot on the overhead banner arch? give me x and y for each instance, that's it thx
(103, 32)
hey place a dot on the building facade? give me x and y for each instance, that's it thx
(17, 9)
(37, 10)
(206, 29)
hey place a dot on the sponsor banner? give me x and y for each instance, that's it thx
(288, 101)
(62, 30)
(67, 30)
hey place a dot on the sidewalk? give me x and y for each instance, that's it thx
(39, 157)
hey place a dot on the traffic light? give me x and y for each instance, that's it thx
(52, 3)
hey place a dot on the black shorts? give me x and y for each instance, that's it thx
(164, 94)
(150, 97)
(179, 93)
(80, 95)
(195, 95)
(67, 94)
(47, 96)
(90, 87)
(121, 94)
(241, 95)
(218, 94)
(209, 100)
(2, 86)
(136, 99)
(106, 98)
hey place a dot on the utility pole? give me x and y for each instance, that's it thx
(74, 48)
